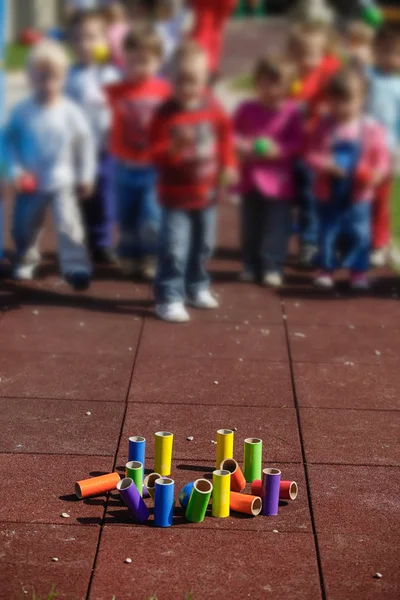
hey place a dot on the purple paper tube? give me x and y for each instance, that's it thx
(133, 500)
(271, 481)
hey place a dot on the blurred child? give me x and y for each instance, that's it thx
(349, 156)
(310, 49)
(117, 28)
(133, 103)
(85, 83)
(172, 22)
(210, 19)
(269, 138)
(358, 45)
(384, 105)
(51, 159)
(193, 150)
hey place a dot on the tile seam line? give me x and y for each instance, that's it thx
(303, 453)
(126, 404)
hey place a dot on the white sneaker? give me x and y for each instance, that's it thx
(273, 279)
(174, 312)
(24, 272)
(378, 257)
(204, 299)
(324, 281)
(247, 276)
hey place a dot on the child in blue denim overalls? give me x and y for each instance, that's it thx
(350, 158)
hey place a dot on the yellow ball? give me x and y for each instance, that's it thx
(296, 88)
(101, 53)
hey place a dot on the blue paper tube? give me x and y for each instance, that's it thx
(164, 502)
(137, 449)
(133, 500)
(185, 494)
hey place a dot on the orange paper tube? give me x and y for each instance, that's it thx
(248, 505)
(96, 485)
(238, 482)
(288, 489)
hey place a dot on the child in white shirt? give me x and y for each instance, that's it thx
(51, 160)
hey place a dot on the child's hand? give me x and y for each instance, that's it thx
(85, 190)
(331, 168)
(229, 177)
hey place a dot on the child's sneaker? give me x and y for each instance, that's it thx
(359, 281)
(24, 272)
(78, 280)
(273, 279)
(324, 280)
(378, 257)
(148, 267)
(247, 276)
(174, 312)
(204, 299)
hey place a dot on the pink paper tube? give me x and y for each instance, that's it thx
(288, 490)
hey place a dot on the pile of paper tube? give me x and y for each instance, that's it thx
(227, 487)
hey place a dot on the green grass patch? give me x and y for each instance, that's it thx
(15, 56)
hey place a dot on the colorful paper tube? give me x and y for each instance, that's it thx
(243, 503)
(185, 493)
(288, 490)
(163, 451)
(271, 480)
(96, 485)
(252, 459)
(238, 482)
(164, 502)
(221, 493)
(150, 483)
(224, 445)
(137, 449)
(133, 500)
(134, 470)
(199, 500)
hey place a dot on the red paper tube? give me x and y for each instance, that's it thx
(238, 482)
(288, 489)
(243, 503)
(96, 485)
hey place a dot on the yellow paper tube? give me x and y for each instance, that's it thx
(224, 445)
(221, 494)
(163, 452)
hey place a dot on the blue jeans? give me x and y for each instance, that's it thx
(187, 240)
(98, 210)
(266, 228)
(308, 206)
(138, 212)
(349, 227)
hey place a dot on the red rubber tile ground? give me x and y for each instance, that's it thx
(27, 568)
(211, 565)
(350, 564)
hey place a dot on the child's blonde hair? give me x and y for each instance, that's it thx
(358, 32)
(48, 52)
(301, 34)
(275, 67)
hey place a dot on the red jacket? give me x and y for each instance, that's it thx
(190, 148)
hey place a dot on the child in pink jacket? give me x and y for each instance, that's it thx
(269, 138)
(350, 157)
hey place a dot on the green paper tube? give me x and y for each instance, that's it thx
(199, 500)
(252, 459)
(134, 470)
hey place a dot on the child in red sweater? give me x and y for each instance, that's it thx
(193, 151)
(133, 103)
(315, 65)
